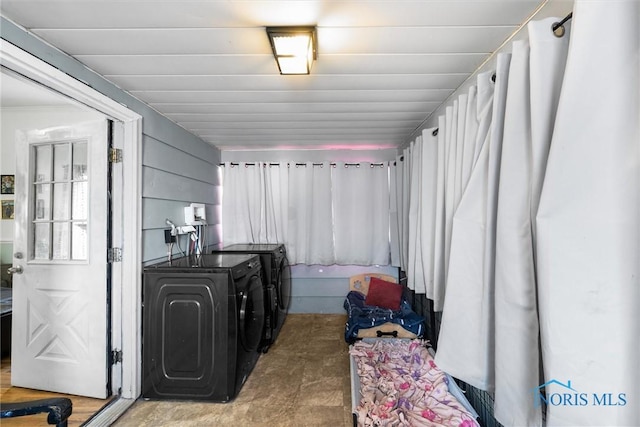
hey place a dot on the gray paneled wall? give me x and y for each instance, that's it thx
(172, 180)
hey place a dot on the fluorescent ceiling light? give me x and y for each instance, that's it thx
(294, 48)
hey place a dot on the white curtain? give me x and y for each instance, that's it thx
(400, 194)
(477, 119)
(516, 316)
(395, 216)
(276, 184)
(243, 199)
(450, 131)
(415, 273)
(324, 214)
(588, 221)
(460, 126)
(465, 344)
(438, 274)
(422, 212)
(361, 213)
(310, 221)
(428, 206)
(405, 200)
(280, 203)
(543, 280)
(395, 211)
(535, 78)
(470, 131)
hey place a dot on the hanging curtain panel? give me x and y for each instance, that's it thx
(399, 192)
(276, 182)
(395, 211)
(484, 111)
(422, 212)
(516, 315)
(534, 81)
(415, 272)
(466, 344)
(548, 62)
(460, 134)
(469, 140)
(438, 275)
(405, 200)
(451, 120)
(361, 213)
(588, 224)
(428, 207)
(310, 222)
(462, 343)
(243, 200)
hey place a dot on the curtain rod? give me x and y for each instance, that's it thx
(304, 164)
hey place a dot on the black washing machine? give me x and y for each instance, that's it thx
(203, 318)
(277, 280)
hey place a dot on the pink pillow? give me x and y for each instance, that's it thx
(384, 294)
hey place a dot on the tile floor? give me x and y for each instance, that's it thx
(303, 380)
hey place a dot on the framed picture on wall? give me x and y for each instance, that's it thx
(8, 184)
(7, 209)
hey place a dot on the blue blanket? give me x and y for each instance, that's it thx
(362, 316)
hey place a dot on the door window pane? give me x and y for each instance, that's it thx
(43, 202)
(79, 200)
(79, 161)
(60, 240)
(42, 237)
(79, 241)
(61, 203)
(61, 162)
(43, 163)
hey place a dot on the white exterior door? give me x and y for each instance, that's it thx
(59, 337)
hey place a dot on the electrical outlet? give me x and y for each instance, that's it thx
(168, 237)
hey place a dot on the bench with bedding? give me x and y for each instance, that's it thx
(377, 306)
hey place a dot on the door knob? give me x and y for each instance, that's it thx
(15, 270)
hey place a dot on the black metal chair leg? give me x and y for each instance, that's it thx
(58, 408)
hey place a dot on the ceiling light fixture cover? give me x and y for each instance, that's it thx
(295, 48)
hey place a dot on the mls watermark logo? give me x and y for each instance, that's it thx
(557, 393)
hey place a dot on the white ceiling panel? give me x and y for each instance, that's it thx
(252, 41)
(294, 108)
(203, 127)
(265, 64)
(276, 97)
(278, 82)
(383, 65)
(286, 117)
(40, 14)
(323, 131)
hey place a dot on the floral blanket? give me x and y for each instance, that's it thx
(400, 385)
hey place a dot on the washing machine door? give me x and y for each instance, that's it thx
(252, 316)
(283, 287)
